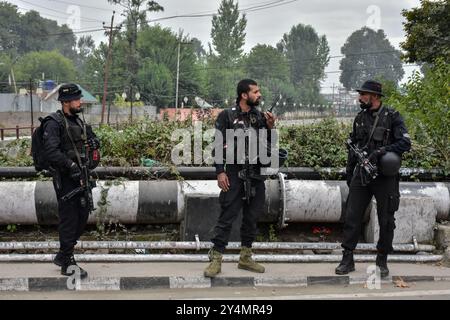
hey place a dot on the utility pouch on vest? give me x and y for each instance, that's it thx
(76, 133)
(379, 134)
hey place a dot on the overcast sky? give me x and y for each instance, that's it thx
(335, 19)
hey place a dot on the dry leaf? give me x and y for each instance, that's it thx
(400, 283)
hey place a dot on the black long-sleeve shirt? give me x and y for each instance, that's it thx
(399, 140)
(226, 120)
(56, 142)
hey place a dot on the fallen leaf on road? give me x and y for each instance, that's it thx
(400, 283)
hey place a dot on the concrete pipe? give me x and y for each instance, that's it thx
(439, 192)
(204, 258)
(325, 201)
(159, 202)
(131, 202)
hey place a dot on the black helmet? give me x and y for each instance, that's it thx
(283, 155)
(390, 164)
(69, 92)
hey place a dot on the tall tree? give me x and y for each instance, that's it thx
(228, 32)
(228, 39)
(369, 55)
(159, 47)
(308, 55)
(9, 24)
(5, 71)
(270, 68)
(427, 32)
(135, 15)
(266, 62)
(23, 33)
(198, 48)
(51, 63)
(86, 46)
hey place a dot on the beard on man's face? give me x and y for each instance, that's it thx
(253, 103)
(365, 105)
(74, 110)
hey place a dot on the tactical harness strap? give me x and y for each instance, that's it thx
(71, 139)
(374, 127)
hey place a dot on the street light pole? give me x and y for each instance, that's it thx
(178, 78)
(31, 100)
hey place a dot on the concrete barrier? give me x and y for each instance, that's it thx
(159, 202)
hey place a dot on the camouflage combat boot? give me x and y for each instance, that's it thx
(247, 263)
(215, 267)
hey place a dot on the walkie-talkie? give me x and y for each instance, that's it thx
(274, 105)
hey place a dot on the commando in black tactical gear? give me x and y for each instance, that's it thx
(242, 185)
(71, 148)
(380, 133)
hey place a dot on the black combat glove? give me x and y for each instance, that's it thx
(94, 143)
(349, 180)
(75, 172)
(374, 156)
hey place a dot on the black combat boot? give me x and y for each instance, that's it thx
(381, 263)
(347, 264)
(59, 259)
(70, 267)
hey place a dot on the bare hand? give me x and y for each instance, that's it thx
(223, 182)
(270, 120)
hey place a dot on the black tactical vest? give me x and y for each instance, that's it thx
(364, 123)
(75, 127)
(245, 120)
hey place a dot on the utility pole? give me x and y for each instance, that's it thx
(178, 78)
(31, 100)
(332, 99)
(14, 80)
(131, 96)
(108, 61)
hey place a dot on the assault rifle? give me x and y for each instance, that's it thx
(370, 171)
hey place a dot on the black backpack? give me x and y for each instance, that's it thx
(37, 145)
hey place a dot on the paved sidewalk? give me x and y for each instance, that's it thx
(141, 276)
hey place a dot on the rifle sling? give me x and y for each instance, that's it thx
(71, 140)
(374, 127)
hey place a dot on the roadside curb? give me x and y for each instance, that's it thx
(46, 284)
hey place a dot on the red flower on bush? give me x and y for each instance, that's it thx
(322, 232)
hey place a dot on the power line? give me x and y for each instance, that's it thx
(259, 7)
(82, 5)
(43, 14)
(58, 11)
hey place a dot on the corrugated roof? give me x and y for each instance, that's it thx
(87, 96)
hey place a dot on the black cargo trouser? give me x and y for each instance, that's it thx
(387, 195)
(232, 203)
(72, 216)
